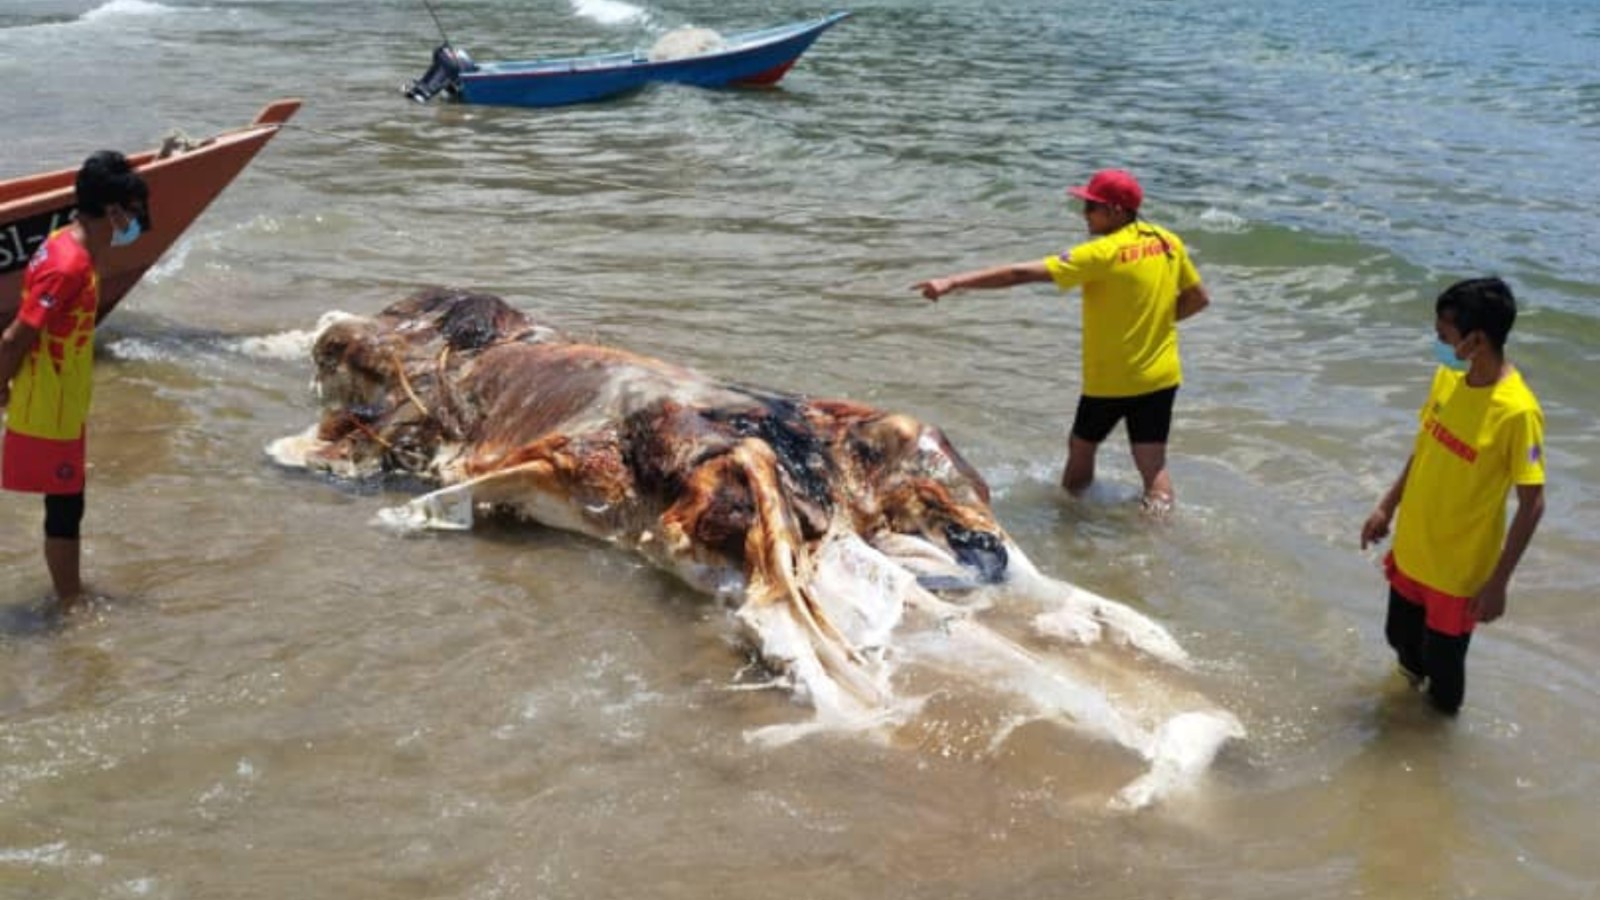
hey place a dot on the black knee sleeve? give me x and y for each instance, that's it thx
(1404, 630)
(63, 515)
(1446, 658)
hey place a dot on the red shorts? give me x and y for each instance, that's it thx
(1446, 613)
(41, 466)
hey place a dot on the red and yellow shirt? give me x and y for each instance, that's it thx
(1131, 279)
(60, 295)
(1474, 444)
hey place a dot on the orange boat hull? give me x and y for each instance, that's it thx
(182, 185)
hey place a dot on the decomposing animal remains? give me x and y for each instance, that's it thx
(826, 526)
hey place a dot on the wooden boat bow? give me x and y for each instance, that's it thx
(184, 177)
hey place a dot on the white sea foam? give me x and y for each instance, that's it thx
(293, 345)
(125, 8)
(136, 349)
(286, 345)
(171, 263)
(99, 16)
(608, 12)
(58, 855)
(1222, 220)
(292, 450)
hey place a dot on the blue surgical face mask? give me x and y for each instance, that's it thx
(127, 234)
(1446, 355)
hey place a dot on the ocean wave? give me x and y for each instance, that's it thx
(70, 13)
(1224, 221)
(609, 12)
(138, 349)
(294, 344)
(125, 8)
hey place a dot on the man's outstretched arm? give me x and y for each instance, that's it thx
(995, 277)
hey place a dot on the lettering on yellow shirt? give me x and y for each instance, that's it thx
(1473, 446)
(1131, 280)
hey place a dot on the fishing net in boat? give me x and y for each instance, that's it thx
(683, 42)
(177, 142)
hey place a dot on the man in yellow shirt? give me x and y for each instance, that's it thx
(47, 357)
(1481, 434)
(1138, 283)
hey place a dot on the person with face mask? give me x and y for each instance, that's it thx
(47, 357)
(1481, 434)
(1138, 284)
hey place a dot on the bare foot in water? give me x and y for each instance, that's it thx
(1156, 505)
(85, 603)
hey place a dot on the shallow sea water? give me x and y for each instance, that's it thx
(280, 699)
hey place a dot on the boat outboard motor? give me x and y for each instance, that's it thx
(444, 74)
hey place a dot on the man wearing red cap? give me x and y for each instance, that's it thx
(1138, 283)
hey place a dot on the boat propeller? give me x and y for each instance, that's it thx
(443, 75)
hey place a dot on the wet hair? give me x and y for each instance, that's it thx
(1480, 304)
(107, 179)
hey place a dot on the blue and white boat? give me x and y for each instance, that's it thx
(749, 58)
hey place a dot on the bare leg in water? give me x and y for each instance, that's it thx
(1151, 460)
(1079, 473)
(61, 558)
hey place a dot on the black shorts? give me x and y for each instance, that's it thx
(1149, 416)
(63, 515)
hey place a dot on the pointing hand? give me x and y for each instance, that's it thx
(934, 288)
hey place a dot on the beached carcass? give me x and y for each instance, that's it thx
(828, 527)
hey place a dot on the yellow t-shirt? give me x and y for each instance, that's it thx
(1131, 279)
(1474, 444)
(60, 295)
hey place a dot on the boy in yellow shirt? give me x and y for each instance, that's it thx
(47, 358)
(1481, 434)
